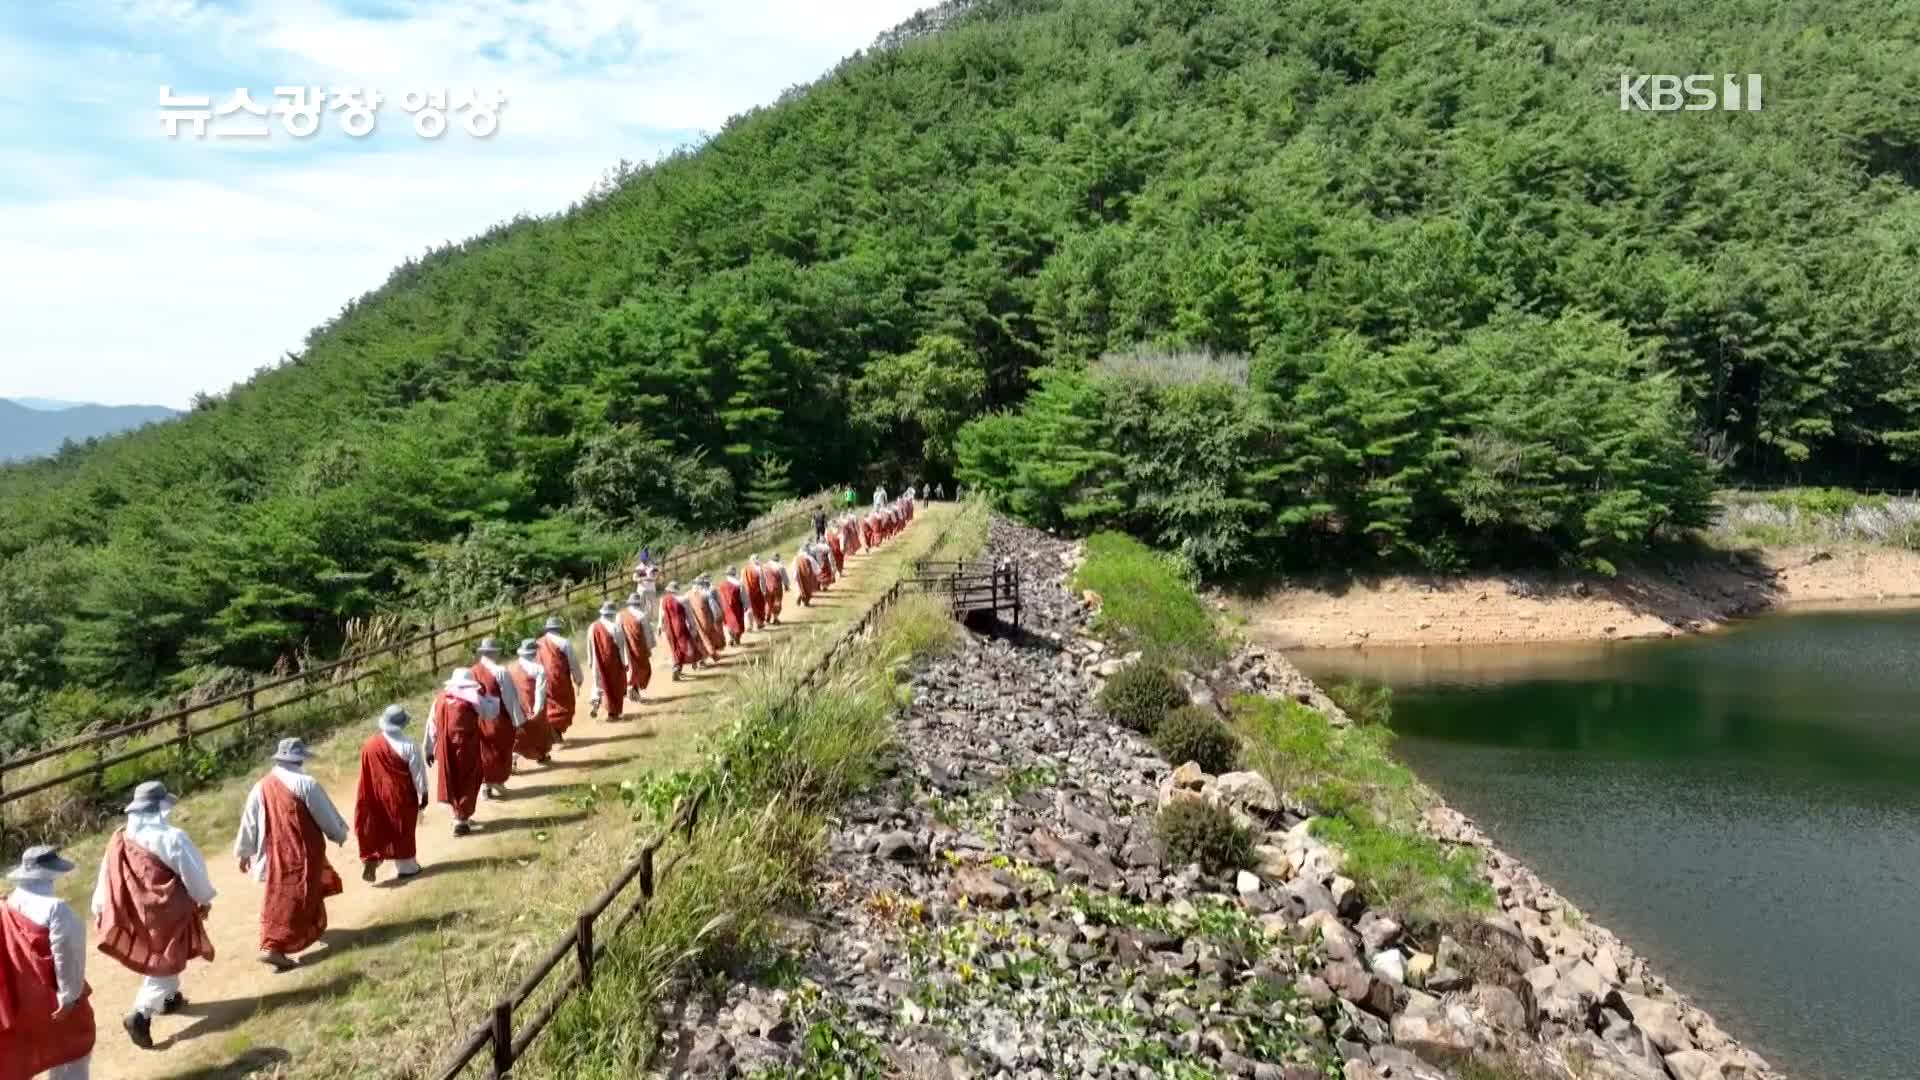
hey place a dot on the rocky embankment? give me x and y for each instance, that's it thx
(1001, 907)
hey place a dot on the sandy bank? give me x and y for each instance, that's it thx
(1652, 600)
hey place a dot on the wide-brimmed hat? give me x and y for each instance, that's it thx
(394, 717)
(608, 608)
(151, 797)
(292, 751)
(554, 623)
(489, 647)
(529, 647)
(40, 863)
(462, 679)
(732, 570)
(635, 599)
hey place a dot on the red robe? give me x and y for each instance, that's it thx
(678, 626)
(609, 671)
(703, 620)
(31, 1041)
(560, 699)
(386, 809)
(775, 587)
(733, 607)
(839, 552)
(807, 577)
(534, 740)
(497, 736)
(757, 595)
(639, 657)
(456, 753)
(151, 923)
(823, 566)
(866, 533)
(299, 878)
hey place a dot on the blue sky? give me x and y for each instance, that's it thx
(135, 268)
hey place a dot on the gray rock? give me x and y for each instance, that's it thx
(1068, 855)
(1660, 1020)
(898, 845)
(981, 887)
(1248, 791)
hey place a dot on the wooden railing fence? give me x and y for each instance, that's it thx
(426, 647)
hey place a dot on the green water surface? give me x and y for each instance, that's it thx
(1743, 808)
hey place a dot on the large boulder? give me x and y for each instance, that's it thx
(1247, 791)
(1659, 1019)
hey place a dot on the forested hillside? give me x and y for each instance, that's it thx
(1479, 306)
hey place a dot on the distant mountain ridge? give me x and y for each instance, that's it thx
(36, 429)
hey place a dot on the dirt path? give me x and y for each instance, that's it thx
(233, 1023)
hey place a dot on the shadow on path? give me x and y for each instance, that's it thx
(349, 939)
(217, 1016)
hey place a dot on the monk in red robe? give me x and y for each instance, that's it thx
(499, 734)
(607, 645)
(733, 604)
(806, 576)
(774, 584)
(46, 1015)
(150, 906)
(633, 626)
(282, 841)
(867, 539)
(453, 745)
(677, 623)
(706, 616)
(391, 794)
(839, 552)
(534, 740)
(563, 677)
(823, 565)
(756, 593)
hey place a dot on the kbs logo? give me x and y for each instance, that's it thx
(1691, 93)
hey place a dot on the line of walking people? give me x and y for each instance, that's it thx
(154, 894)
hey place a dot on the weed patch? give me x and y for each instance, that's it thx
(1147, 602)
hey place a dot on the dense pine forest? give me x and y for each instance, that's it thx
(1272, 282)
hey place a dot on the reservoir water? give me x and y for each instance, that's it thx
(1743, 808)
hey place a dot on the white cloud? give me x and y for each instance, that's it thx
(184, 266)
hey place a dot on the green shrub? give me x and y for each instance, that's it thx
(1192, 831)
(1192, 734)
(1365, 704)
(1140, 695)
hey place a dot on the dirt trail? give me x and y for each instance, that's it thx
(232, 999)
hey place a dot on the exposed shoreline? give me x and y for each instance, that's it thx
(1542, 607)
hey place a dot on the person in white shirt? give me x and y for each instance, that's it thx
(150, 905)
(286, 851)
(51, 1026)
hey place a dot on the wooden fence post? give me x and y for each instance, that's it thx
(433, 647)
(583, 944)
(250, 729)
(502, 1039)
(186, 750)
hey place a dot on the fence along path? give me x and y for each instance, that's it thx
(383, 940)
(423, 652)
